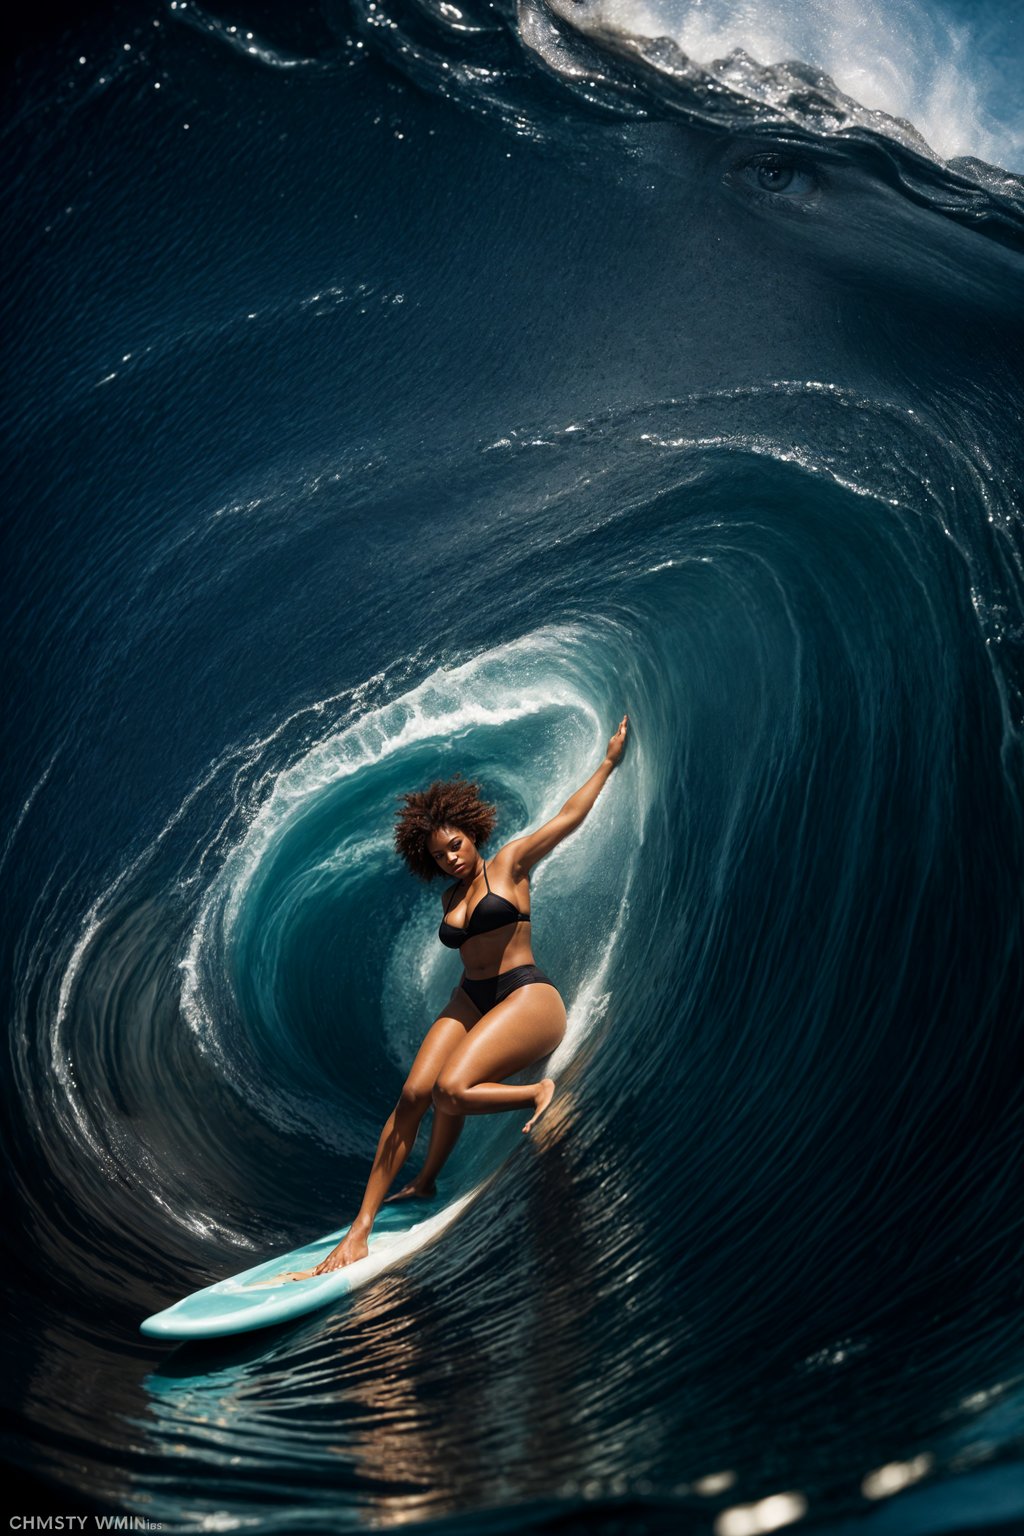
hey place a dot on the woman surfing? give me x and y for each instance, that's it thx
(503, 1015)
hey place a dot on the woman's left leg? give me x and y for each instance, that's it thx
(522, 1028)
(444, 1133)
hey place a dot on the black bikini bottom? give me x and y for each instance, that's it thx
(484, 994)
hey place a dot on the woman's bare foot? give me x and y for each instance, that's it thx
(424, 1191)
(545, 1093)
(350, 1250)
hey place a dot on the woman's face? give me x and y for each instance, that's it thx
(452, 850)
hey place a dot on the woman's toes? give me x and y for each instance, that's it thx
(545, 1093)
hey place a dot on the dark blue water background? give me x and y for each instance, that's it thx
(397, 392)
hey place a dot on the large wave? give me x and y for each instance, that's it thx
(765, 1241)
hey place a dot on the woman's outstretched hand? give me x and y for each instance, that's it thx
(617, 745)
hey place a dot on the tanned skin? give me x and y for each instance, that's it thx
(465, 1055)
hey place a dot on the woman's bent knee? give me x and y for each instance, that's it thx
(445, 1096)
(415, 1096)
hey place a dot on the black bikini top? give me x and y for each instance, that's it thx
(490, 912)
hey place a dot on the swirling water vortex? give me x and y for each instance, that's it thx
(766, 1242)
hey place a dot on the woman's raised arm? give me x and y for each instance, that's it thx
(527, 850)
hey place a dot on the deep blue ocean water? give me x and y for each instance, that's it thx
(399, 390)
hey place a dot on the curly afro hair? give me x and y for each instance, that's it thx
(447, 803)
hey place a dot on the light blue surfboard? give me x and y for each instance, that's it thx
(260, 1297)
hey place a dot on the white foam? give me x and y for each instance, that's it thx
(896, 56)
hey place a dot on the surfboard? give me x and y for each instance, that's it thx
(261, 1297)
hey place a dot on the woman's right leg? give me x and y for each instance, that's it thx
(400, 1128)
